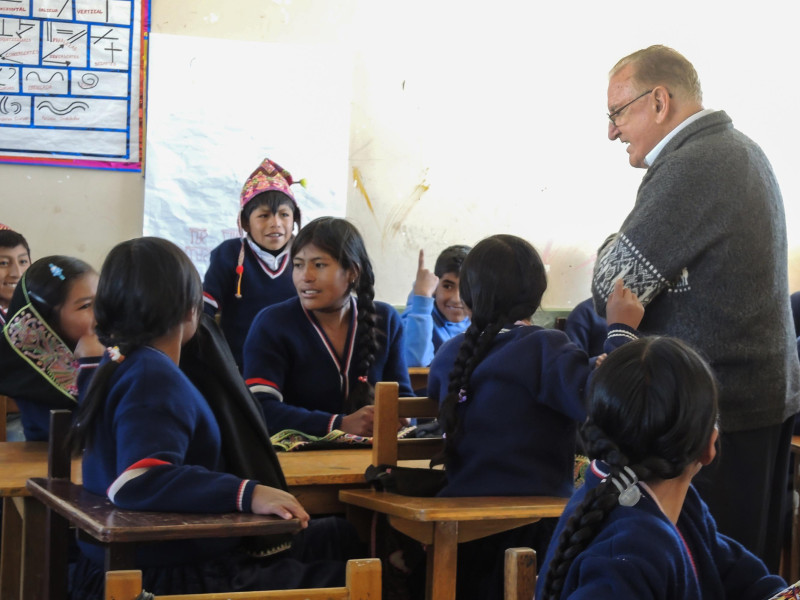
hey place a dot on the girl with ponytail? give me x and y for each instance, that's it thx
(312, 361)
(637, 528)
(512, 395)
(161, 426)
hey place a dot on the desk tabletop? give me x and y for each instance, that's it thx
(455, 509)
(20, 461)
(102, 520)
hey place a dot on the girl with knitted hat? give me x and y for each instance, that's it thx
(312, 361)
(247, 274)
(638, 528)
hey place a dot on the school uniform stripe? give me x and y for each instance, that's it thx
(209, 299)
(344, 369)
(135, 470)
(265, 386)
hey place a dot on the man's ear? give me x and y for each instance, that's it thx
(710, 452)
(663, 100)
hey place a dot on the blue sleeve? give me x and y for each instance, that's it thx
(418, 325)
(266, 367)
(565, 370)
(616, 577)
(396, 368)
(158, 434)
(743, 575)
(220, 276)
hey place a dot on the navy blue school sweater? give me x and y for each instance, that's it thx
(262, 285)
(291, 367)
(519, 423)
(639, 553)
(157, 447)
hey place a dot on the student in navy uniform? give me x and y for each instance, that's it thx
(511, 397)
(638, 528)
(15, 258)
(48, 342)
(434, 312)
(586, 328)
(246, 275)
(312, 361)
(153, 442)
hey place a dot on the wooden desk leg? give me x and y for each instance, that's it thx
(45, 556)
(441, 575)
(11, 552)
(34, 575)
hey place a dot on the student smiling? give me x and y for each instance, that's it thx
(15, 258)
(312, 361)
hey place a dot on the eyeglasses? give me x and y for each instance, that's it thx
(615, 114)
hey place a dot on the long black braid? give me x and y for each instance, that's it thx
(502, 281)
(652, 410)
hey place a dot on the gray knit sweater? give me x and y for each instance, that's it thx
(705, 250)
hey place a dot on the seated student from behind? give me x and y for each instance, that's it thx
(153, 442)
(312, 361)
(434, 312)
(511, 397)
(638, 528)
(246, 275)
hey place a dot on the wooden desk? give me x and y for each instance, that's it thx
(19, 461)
(314, 477)
(117, 530)
(443, 523)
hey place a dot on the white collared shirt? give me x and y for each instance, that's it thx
(653, 154)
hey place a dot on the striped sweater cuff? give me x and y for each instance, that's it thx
(244, 496)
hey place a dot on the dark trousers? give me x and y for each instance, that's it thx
(746, 489)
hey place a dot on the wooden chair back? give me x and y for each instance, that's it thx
(363, 583)
(520, 574)
(418, 377)
(389, 409)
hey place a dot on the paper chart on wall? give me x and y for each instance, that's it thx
(72, 82)
(216, 108)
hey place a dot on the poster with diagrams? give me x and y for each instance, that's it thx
(72, 82)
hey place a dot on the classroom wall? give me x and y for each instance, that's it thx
(468, 118)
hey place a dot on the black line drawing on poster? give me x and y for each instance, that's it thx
(72, 106)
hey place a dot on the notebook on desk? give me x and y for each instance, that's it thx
(291, 440)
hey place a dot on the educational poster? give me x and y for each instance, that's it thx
(217, 108)
(72, 82)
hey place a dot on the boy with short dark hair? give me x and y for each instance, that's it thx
(434, 312)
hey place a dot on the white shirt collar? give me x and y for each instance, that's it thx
(273, 262)
(653, 154)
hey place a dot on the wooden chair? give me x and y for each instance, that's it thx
(62, 503)
(363, 583)
(441, 523)
(520, 574)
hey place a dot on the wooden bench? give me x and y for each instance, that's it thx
(62, 503)
(441, 523)
(363, 583)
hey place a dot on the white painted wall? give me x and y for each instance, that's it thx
(468, 119)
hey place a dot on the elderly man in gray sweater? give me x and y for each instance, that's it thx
(705, 249)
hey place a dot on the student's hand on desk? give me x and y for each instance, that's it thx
(359, 422)
(623, 306)
(272, 501)
(426, 282)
